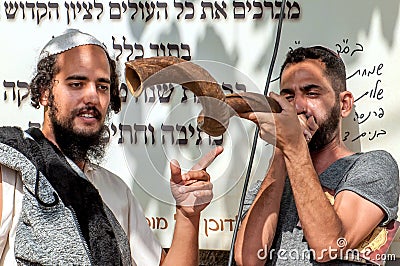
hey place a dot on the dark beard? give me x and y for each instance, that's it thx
(78, 146)
(327, 130)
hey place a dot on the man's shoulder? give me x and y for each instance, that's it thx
(100, 169)
(377, 168)
(361, 161)
(102, 177)
(7, 132)
(377, 154)
(376, 159)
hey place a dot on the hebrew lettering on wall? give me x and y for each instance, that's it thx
(125, 51)
(15, 91)
(146, 11)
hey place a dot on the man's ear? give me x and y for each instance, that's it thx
(44, 98)
(346, 103)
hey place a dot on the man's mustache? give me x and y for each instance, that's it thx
(88, 109)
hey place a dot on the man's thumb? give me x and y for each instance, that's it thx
(176, 176)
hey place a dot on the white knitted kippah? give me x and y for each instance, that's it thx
(69, 39)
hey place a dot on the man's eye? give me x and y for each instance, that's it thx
(75, 84)
(103, 87)
(289, 97)
(313, 94)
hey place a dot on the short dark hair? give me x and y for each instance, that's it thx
(47, 68)
(335, 69)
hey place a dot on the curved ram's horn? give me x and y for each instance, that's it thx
(217, 107)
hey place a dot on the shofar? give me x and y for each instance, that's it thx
(218, 108)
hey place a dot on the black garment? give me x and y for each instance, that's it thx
(77, 194)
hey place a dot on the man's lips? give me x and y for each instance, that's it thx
(89, 113)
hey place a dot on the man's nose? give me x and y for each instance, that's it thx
(91, 94)
(300, 104)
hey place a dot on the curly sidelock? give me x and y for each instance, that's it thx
(218, 108)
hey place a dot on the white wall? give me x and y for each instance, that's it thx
(366, 33)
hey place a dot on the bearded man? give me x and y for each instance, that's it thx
(319, 200)
(59, 208)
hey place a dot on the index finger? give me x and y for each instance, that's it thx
(312, 123)
(248, 116)
(207, 159)
(261, 117)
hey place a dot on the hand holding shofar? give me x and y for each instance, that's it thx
(218, 108)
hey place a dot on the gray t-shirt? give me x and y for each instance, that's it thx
(373, 175)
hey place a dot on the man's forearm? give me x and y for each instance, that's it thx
(314, 209)
(329, 229)
(258, 227)
(185, 245)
